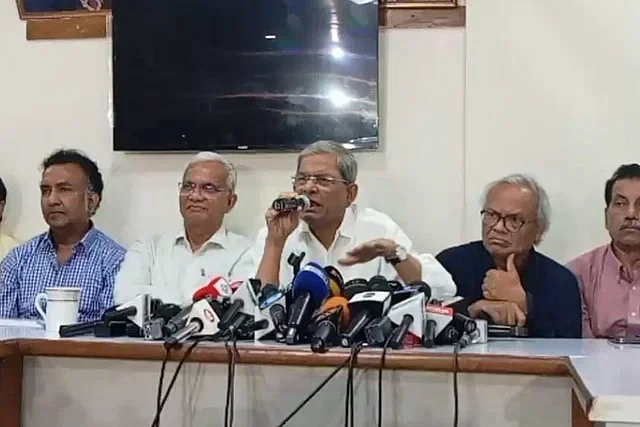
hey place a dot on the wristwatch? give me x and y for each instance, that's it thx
(400, 255)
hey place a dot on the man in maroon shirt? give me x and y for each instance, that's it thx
(609, 276)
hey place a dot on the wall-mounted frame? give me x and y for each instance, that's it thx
(64, 9)
(75, 19)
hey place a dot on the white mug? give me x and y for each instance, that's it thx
(62, 307)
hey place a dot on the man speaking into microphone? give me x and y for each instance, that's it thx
(330, 229)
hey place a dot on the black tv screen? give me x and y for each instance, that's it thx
(244, 75)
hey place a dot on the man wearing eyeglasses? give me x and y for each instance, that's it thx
(360, 242)
(173, 265)
(504, 277)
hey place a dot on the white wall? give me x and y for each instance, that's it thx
(552, 89)
(55, 93)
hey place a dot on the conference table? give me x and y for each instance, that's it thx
(87, 381)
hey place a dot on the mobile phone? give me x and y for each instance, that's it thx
(625, 340)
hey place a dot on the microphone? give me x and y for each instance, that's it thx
(295, 261)
(379, 283)
(378, 331)
(153, 329)
(429, 336)
(310, 289)
(355, 286)
(448, 336)
(336, 282)
(213, 290)
(409, 316)
(437, 319)
(243, 300)
(287, 204)
(203, 320)
(271, 308)
(138, 311)
(365, 306)
(334, 315)
(420, 286)
(218, 288)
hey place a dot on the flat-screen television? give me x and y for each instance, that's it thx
(244, 75)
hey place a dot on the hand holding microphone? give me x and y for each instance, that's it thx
(283, 216)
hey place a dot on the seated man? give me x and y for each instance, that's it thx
(6, 242)
(504, 276)
(334, 231)
(172, 265)
(609, 276)
(73, 252)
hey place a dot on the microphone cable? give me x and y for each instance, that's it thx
(315, 391)
(456, 351)
(232, 352)
(183, 359)
(349, 418)
(185, 356)
(382, 360)
(160, 383)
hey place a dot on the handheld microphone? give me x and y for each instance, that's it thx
(441, 317)
(365, 307)
(203, 320)
(218, 288)
(335, 314)
(153, 328)
(271, 308)
(336, 282)
(138, 310)
(243, 300)
(378, 331)
(450, 335)
(355, 286)
(310, 289)
(429, 336)
(464, 324)
(409, 316)
(287, 204)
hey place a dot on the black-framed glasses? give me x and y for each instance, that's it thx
(512, 223)
(208, 190)
(323, 181)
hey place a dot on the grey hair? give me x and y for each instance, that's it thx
(208, 156)
(528, 182)
(347, 163)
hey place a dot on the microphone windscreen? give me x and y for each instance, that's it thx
(380, 282)
(335, 302)
(313, 279)
(336, 282)
(421, 287)
(306, 202)
(355, 286)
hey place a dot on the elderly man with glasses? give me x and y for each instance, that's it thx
(504, 277)
(359, 242)
(172, 265)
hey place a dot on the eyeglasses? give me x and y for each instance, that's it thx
(512, 223)
(323, 181)
(207, 190)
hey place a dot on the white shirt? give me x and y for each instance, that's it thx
(164, 266)
(359, 225)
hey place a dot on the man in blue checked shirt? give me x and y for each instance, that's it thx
(73, 252)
